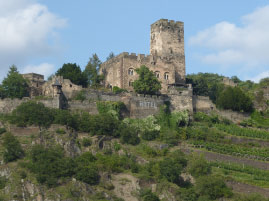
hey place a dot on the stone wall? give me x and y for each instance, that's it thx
(203, 104)
(137, 106)
(8, 105)
(68, 88)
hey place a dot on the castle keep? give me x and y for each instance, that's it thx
(166, 59)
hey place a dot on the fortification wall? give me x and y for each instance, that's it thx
(203, 104)
(116, 70)
(8, 105)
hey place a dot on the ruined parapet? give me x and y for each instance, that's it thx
(227, 81)
(167, 38)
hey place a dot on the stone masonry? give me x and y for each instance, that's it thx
(166, 59)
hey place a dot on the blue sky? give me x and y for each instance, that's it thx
(226, 37)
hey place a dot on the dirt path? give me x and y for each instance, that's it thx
(247, 189)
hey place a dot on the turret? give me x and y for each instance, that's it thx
(167, 38)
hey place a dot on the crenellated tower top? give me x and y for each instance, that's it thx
(167, 38)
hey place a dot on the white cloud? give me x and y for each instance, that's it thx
(231, 45)
(45, 69)
(27, 31)
(260, 76)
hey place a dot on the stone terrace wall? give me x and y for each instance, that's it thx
(203, 104)
(8, 105)
(137, 106)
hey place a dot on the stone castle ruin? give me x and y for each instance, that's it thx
(166, 59)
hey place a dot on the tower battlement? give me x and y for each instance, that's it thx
(167, 38)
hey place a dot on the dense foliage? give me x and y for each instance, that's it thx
(13, 149)
(14, 85)
(92, 71)
(73, 72)
(147, 83)
(32, 113)
(234, 98)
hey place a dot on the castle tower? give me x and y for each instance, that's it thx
(167, 38)
(167, 42)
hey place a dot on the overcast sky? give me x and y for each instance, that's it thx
(226, 37)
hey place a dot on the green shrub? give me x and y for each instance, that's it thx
(2, 130)
(147, 195)
(32, 113)
(60, 131)
(128, 135)
(235, 99)
(86, 142)
(3, 181)
(88, 174)
(118, 90)
(50, 164)
(198, 166)
(113, 108)
(212, 187)
(81, 96)
(13, 149)
(104, 124)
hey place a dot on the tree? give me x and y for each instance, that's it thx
(110, 56)
(73, 73)
(32, 113)
(235, 99)
(13, 149)
(147, 82)
(198, 166)
(212, 187)
(14, 85)
(91, 71)
(50, 164)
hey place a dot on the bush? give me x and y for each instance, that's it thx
(104, 124)
(60, 131)
(212, 187)
(147, 195)
(234, 99)
(113, 108)
(86, 142)
(32, 113)
(3, 181)
(2, 130)
(50, 164)
(87, 174)
(128, 135)
(13, 149)
(80, 96)
(198, 166)
(118, 90)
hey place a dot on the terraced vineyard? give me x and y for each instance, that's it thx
(246, 132)
(235, 150)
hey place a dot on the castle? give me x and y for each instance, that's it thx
(166, 59)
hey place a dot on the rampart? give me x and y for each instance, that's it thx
(137, 106)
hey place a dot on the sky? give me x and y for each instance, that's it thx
(228, 37)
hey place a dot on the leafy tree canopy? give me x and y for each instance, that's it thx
(13, 149)
(235, 99)
(91, 71)
(32, 113)
(14, 85)
(110, 56)
(73, 72)
(147, 83)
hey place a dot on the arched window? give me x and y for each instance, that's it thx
(157, 74)
(131, 71)
(166, 76)
(131, 83)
